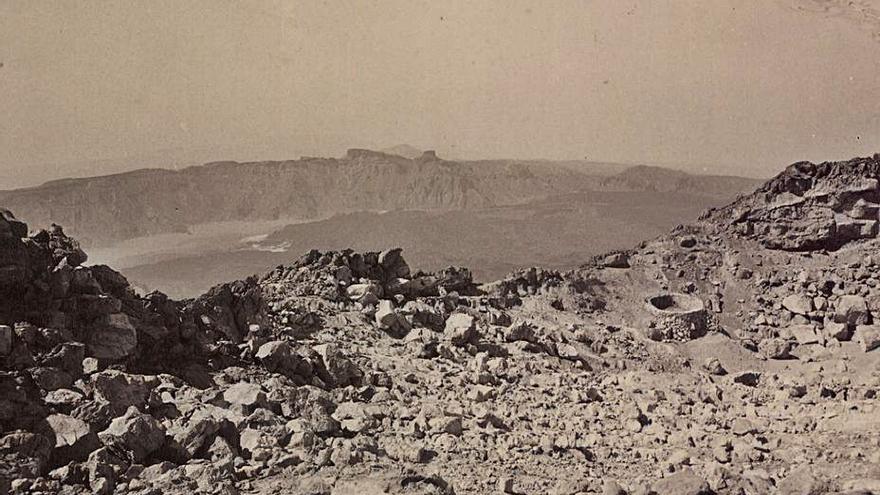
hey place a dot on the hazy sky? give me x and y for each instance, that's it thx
(741, 87)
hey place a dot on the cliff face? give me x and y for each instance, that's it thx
(102, 210)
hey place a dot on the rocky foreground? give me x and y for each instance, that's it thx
(738, 355)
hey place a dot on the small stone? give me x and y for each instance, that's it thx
(713, 367)
(747, 378)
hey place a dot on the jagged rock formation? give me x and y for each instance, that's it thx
(350, 372)
(811, 206)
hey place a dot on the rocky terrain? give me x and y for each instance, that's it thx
(736, 355)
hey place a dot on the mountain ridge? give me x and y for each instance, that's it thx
(155, 201)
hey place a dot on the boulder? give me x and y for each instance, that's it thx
(714, 367)
(520, 331)
(388, 319)
(852, 310)
(105, 467)
(801, 481)
(341, 372)
(138, 433)
(804, 334)
(73, 438)
(461, 329)
(868, 337)
(67, 356)
(192, 433)
(393, 264)
(798, 304)
(49, 378)
(252, 441)
(23, 455)
(747, 378)
(365, 294)
(11, 227)
(684, 482)
(247, 396)
(122, 390)
(114, 337)
(275, 355)
(616, 260)
(839, 331)
(775, 348)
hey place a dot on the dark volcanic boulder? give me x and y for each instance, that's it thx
(228, 310)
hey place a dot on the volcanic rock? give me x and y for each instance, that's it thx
(136, 432)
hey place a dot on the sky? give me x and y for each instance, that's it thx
(738, 87)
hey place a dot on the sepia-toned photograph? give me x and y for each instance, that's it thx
(440, 247)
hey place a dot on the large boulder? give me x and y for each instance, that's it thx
(193, 433)
(245, 396)
(122, 390)
(138, 433)
(340, 371)
(852, 310)
(798, 304)
(276, 355)
(23, 455)
(114, 337)
(461, 329)
(393, 264)
(389, 320)
(73, 438)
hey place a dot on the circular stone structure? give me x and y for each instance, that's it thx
(678, 316)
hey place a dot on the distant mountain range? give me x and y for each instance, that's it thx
(104, 210)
